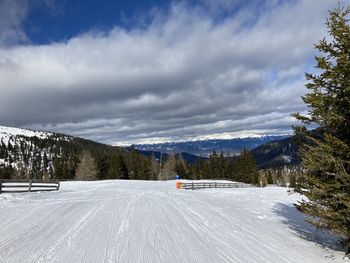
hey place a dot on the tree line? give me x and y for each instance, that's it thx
(240, 168)
(62, 158)
(68, 158)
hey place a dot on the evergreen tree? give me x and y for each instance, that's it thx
(181, 167)
(222, 166)
(326, 153)
(145, 170)
(57, 169)
(122, 169)
(154, 168)
(7, 172)
(134, 165)
(103, 166)
(246, 169)
(213, 166)
(269, 177)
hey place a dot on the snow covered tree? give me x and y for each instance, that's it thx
(326, 153)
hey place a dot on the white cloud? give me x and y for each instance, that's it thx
(12, 13)
(184, 75)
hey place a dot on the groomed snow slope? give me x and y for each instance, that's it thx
(136, 221)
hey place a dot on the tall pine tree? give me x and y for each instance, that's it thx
(326, 154)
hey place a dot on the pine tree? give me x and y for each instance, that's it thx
(181, 168)
(122, 169)
(134, 165)
(222, 166)
(57, 168)
(213, 166)
(326, 153)
(269, 177)
(246, 169)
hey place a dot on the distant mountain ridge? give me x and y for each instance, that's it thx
(205, 147)
(188, 157)
(271, 152)
(277, 153)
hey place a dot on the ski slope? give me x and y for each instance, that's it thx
(139, 221)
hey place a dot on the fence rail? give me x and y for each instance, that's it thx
(200, 185)
(20, 186)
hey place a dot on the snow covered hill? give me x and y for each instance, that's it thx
(145, 221)
(23, 149)
(6, 133)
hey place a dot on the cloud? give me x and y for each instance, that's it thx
(12, 14)
(185, 75)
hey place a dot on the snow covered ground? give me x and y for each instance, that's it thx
(138, 221)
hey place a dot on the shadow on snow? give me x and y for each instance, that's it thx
(295, 220)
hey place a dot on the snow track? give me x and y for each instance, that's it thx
(137, 221)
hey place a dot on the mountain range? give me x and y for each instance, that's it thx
(38, 148)
(204, 148)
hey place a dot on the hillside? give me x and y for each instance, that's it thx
(140, 221)
(277, 153)
(44, 155)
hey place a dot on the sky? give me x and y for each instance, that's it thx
(124, 72)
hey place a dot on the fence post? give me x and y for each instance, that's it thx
(30, 186)
(0, 187)
(58, 186)
(192, 186)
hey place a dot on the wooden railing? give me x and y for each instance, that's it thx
(20, 186)
(199, 185)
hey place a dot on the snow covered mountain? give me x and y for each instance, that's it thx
(206, 147)
(29, 150)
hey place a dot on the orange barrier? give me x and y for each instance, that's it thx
(178, 185)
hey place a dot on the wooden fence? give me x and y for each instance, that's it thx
(199, 185)
(20, 186)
